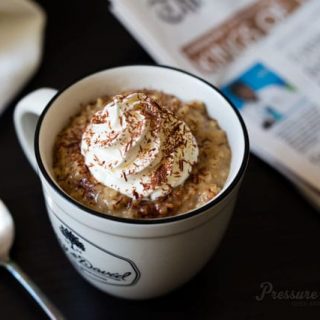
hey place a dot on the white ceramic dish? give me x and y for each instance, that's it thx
(134, 259)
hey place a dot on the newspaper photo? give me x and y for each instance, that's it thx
(264, 55)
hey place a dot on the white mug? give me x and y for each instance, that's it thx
(130, 258)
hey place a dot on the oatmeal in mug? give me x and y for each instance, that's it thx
(142, 154)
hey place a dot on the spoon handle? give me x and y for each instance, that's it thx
(52, 312)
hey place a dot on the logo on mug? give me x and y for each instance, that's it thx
(95, 262)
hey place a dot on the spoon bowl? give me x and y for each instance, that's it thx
(6, 231)
(6, 241)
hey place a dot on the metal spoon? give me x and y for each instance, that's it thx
(6, 241)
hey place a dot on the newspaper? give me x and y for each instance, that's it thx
(265, 57)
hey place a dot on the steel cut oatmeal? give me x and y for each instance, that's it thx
(142, 154)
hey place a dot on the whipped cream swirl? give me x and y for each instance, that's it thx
(139, 148)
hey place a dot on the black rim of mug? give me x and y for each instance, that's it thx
(178, 217)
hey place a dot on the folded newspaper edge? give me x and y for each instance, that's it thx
(310, 193)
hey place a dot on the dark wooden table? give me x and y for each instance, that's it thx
(273, 236)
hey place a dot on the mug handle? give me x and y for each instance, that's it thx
(26, 115)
